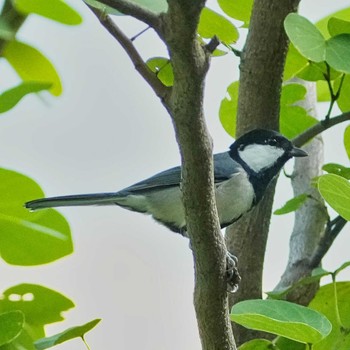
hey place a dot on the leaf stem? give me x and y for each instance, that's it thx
(336, 307)
(86, 344)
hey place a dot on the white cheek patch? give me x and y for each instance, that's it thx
(258, 157)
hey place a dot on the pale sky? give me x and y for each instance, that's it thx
(107, 131)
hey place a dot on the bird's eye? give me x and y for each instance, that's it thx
(241, 147)
(272, 142)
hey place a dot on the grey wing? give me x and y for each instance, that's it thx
(225, 167)
(167, 178)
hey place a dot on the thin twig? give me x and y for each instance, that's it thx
(319, 127)
(158, 87)
(333, 229)
(134, 10)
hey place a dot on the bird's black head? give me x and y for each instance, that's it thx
(262, 153)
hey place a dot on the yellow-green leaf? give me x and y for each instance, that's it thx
(211, 23)
(32, 65)
(336, 191)
(56, 10)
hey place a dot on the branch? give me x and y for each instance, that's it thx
(158, 87)
(318, 128)
(134, 10)
(333, 228)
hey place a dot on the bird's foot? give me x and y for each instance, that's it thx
(232, 274)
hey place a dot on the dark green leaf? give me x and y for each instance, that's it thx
(11, 97)
(282, 318)
(29, 238)
(338, 26)
(11, 325)
(324, 302)
(336, 191)
(258, 344)
(337, 169)
(347, 140)
(228, 109)
(156, 6)
(338, 53)
(292, 205)
(305, 37)
(56, 10)
(71, 333)
(295, 62)
(343, 100)
(40, 305)
(238, 9)
(163, 68)
(32, 65)
(213, 24)
(322, 25)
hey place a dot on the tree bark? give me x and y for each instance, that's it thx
(311, 219)
(190, 62)
(262, 63)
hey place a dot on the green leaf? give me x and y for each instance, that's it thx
(23, 342)
(316, 275)
(9, 98)
(324, 302)
(40, 305)
(163, 68)
(317, 71)
(156, 6)
(292, 93)
(71, 333)
(336, 191)
(56, 10)
(29, 238)
(338, 26)
(337, 169)
(323, 94)
(347, 140)
(322, 24)
(338, 53)
(6, 32)
(288, 344)
(213, 24)
(343, 100)
(238, 9)
(305, 37)
(228, 109)
(292, 205)
(342, 267)
(282, 318)
(11, 325)
(293, 119)
(295, 62)
(32, 65)
(258, 344)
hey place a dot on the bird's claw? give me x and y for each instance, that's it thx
(232, 274)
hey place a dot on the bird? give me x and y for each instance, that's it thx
(241, 176)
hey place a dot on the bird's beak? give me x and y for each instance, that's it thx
(297, 152)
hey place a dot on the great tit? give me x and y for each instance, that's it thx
(241, 177)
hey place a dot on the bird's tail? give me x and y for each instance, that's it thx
(74, 200)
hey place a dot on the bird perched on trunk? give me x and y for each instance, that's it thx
(241, 177)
